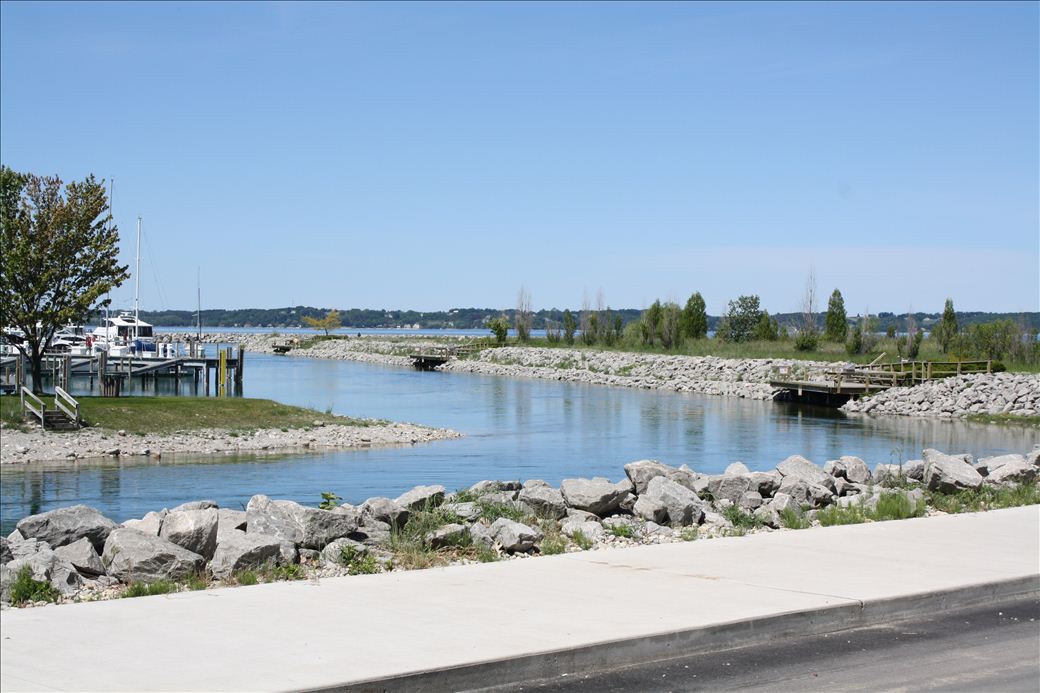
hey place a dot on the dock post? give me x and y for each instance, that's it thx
(239, 366)
(205, 380)
(19, 371)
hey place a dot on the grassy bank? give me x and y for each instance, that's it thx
(1006, 420)
(171, 414)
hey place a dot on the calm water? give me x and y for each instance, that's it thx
(515, 429)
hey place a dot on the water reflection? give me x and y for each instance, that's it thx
(515, 428)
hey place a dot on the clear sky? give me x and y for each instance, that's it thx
(432, 156)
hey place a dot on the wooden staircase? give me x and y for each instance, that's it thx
(57, 420)
(65, 415)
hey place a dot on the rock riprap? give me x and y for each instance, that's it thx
(653, 503)
(1015, 394)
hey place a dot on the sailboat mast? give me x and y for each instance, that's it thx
(137, 283)
(198, 307)
(111, 221)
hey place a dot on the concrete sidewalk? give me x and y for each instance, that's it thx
(480, 625)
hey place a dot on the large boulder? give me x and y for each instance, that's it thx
(448, 535)
(197, 505)
(1010, 469)
(468, 511)
(309, 528)
(335, 551)
(67, 525)
(949, 473)
(5, 550)
(588, 528)
(82, 556)
(668, 501)
(46, 566)
(545, 501)
(194, 530)
(849, 468)
(132, 556)
(239, 551)
(798, 467)
(421, 497)
(598, 495)
(514, 536)
(229, 520)
(151, 523)
(641, 472)
(487, 486)
(729, 486)
(385, 510)
(766, 483)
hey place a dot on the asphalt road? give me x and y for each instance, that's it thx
(977, 650)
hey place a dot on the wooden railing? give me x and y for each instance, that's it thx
(65, 402)
(33, 404)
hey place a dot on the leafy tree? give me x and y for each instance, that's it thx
(500, 328)
(767, 329)
(569, 326)
(330, 322)
(695, 318)
(836, 327)
(650, 323)
(946, 329)
(741, 318)
(60, 256)
(890, 331)
(670, 327)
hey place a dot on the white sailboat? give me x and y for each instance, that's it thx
(126, 334)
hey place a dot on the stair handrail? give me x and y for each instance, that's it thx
(64, 401)
(39, 409)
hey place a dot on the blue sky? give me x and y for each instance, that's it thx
(430, 156)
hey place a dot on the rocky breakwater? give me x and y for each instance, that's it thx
(37, 445)
(748, 378)
(1016, 394)
(81, 554)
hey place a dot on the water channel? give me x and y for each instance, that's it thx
(514, 429)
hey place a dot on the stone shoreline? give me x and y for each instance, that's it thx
(83, 555)
(1015, 394)
(36, 445)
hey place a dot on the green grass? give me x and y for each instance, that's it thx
(553, 545)
(689, 533)
(985, 498)
(583, 542)
(358, 562)
(890, 506)
(624, 531)
(141, 415)
(792, 519)
(141, 589)
(247, 577)
(740, 518)
(26, 590)
(492, 510)
(1006, 420)
(196, 583)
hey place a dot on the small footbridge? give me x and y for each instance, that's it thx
(835, 388)
(428, 358)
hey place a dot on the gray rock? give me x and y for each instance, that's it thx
(796, 488)
(949, 474)
(448, 535)
(581, 515)
(149, 524)
(82, 556)
(1012, 469)
(386, 510)
(309, 528)
(46, 566)
(623, 521)
(855, 470)
(627, 503)
(819, 495)
(134, 556)
(229, 520)
(534, 483)
(798, 467)
(23, 548)
(501, 497)
(66, 525)
(668, 501)
(238, 551)
(514, 536)
(481, 535)
(5, 551)
(591, 530)
(421, 497)
(598, 495)
(1033, 457)
(914, 469)
(888, 473)
(194, 530)
(766, 483)
(729, 487)
(372, 533)
(545, 500)
(482, 487)
(333, 553)
(642, 471)
(197, 505)
(782, 502)
(737, 469)
(469, 512)
(750, 500)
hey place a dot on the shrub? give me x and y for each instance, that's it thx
(246, 577)
(140, 589)
(834, 515)
(793, 520)
(807, 341)
(26, 590)
(582, 541)
(689, 533)
(741, 518)
(358, 562)
(621, 530)
(329, 500)
(553, 545)
(500, 328)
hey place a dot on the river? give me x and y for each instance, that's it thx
(514, 429)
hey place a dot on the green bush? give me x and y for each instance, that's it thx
(793, 519)
(141, 589)
(26, 590)
(358, 562)
(553, 545)
(741, 518)
(246, 577)
(582, 541)
(807, 341)
(624, 531)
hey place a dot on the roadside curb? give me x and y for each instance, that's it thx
(662, 646)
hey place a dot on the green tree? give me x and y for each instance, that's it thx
(60, 256)
(767, 329)
(650, 324)
(695, 318)
(946, 329)
(836, 326)
(500, 328)
(740, 320)
(670, 326)
(330, 322)
(569, 326)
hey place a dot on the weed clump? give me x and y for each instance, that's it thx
(26, 590)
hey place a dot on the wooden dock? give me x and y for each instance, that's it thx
(430, 358)
(837, 387)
